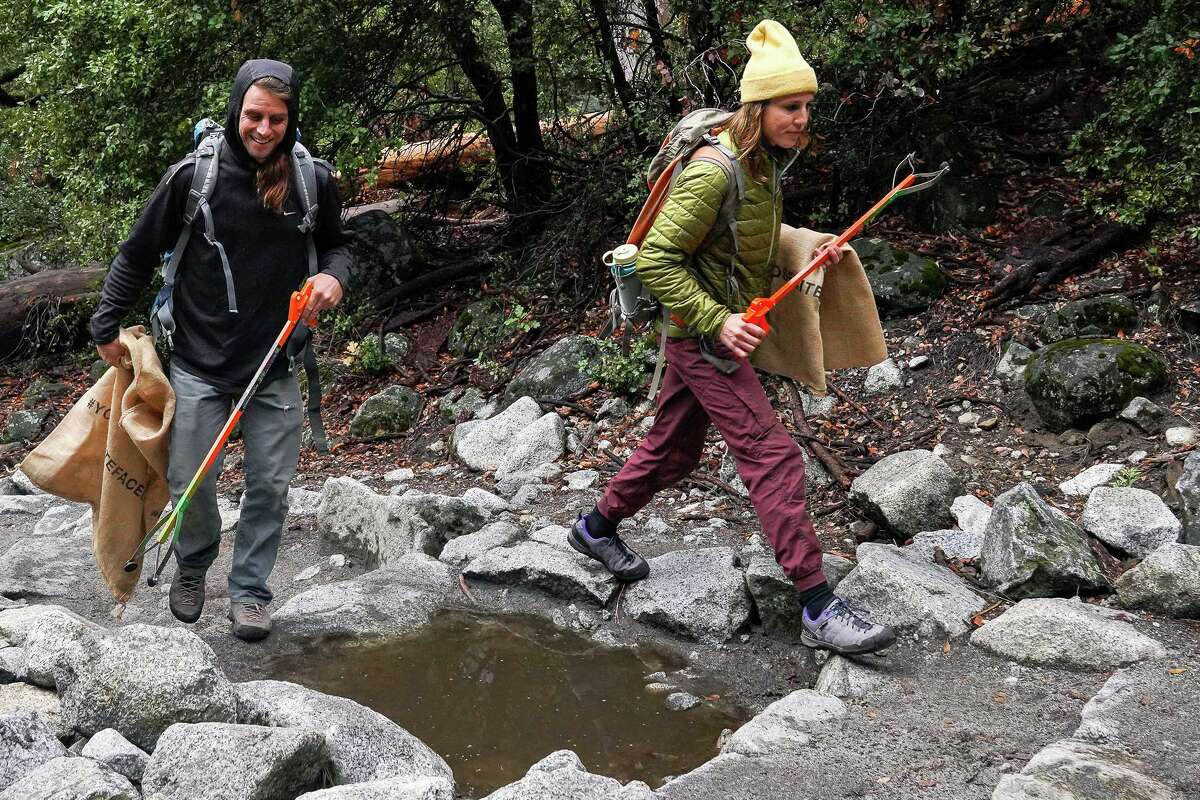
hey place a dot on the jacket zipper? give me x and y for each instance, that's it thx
(774, 226)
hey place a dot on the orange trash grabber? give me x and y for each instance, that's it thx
(756, 313)
(166, 529)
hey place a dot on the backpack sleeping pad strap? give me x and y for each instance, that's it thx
(300, 345)
(207, 160)
(661, 361)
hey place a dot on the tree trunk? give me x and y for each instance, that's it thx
(702, 34)
(531, 178)
(608, 50)
(661, 56)
(517, 137)
(28, 303)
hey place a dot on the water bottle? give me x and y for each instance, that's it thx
(622, 262)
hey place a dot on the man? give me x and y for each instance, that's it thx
(248, 253)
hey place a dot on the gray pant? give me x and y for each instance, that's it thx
(271, 434)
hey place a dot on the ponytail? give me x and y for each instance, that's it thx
(274, 181)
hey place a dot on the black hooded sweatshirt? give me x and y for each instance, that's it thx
(267, 255)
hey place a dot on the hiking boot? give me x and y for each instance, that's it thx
(186, 597)
(251, 621)
(841, 630)
(614, 554)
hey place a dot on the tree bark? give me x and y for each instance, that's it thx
(608, 51)
(661, 55)
(516, 137)
(531, 178)
(21, 299)
(702, 34)
(1052, 264)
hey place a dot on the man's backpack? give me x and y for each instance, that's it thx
(209, 138)
(631, 304)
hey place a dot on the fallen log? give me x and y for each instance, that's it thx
(1052, 262)
(31, 305)
(438, 155)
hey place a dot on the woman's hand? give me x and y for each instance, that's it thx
(835, 252)
(741, 337)
(326, 293)
(113, 352)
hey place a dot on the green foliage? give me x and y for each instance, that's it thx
(617, 371)
(27, 207)
(1146, 143)
(1127, 477)
(109, 92)
(520, 321)
(371, 357)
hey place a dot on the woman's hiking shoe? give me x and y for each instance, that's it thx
(839, 629)
(614, 554)
(186, 597)
(251, 621)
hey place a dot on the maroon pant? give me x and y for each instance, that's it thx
(694, 393)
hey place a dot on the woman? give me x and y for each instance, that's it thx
(705, 291)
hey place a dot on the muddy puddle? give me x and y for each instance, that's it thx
(494, 694)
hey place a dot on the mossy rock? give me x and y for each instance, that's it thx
(479, 328)
(96, 370)
(24, 426)
(459, 406)
(559, 371)
(41, 390)
(1094, 316)
(903, 283)
(1076, 382)
(393, 411)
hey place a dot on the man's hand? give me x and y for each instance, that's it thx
(326, 293)
(113, 352)
(740, 336)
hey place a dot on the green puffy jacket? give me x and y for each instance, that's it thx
(693, 285)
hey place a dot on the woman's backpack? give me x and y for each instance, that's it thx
(631, 305)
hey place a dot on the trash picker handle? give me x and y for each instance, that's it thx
(756, 312)
(298, 304)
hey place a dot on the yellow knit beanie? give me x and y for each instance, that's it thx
(776, 67)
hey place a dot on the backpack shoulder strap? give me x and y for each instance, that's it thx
(306, 183)
(206, 158)
(304, 167)
(735, 192)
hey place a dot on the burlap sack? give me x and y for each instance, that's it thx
(111, 451)
(828, 322)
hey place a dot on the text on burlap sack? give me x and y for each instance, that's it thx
(98, 408)
(122, 477)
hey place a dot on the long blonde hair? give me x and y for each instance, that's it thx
(746, 132)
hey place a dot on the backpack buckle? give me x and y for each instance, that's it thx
(309, 222)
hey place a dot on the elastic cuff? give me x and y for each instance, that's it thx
(809, 581)
(606, 510)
